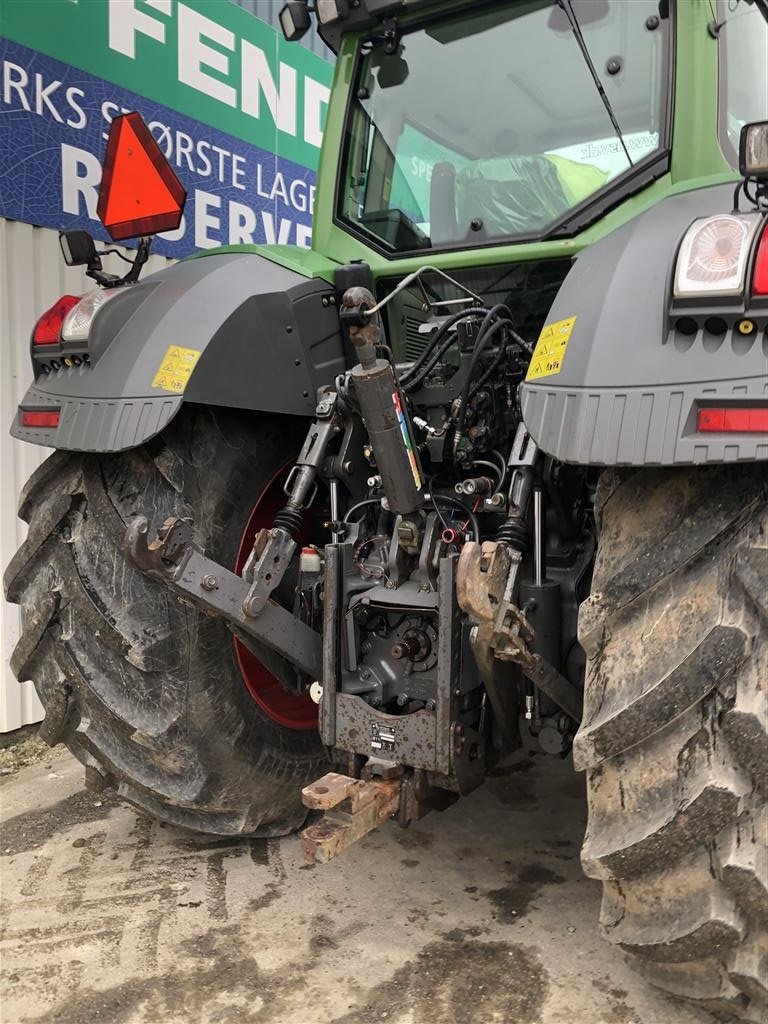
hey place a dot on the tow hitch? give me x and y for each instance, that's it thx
(353, 807)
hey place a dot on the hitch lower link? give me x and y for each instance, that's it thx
(200, 581)
(245, 601)
(486, 584)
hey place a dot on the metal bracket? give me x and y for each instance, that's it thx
(522, 459)
(165, 556)
(265, 568)
(562, 691)
(486, 585)
(215, 590)
(524, 449)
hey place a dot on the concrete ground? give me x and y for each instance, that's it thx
(480, 914)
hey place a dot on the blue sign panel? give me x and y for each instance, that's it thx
(54, 121)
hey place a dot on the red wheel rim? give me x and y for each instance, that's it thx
(287, 709)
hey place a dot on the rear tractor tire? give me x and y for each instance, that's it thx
(152, 696)
(674, 738)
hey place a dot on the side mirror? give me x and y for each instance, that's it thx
(392, 72)
(753, 151)
(77, 248)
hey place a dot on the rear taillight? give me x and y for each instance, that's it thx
(737, 421)
(32, 418)
(48, 327)
(760, 278)
(713, 255)
(77, 323)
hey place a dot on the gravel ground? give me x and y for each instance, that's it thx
(20, 748)
(480, 914)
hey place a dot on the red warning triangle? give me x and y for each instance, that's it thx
(140, 193)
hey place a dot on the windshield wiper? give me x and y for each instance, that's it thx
(567, 6)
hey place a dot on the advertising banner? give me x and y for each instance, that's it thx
(237, 111)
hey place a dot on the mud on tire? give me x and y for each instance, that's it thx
(143, 689)
(674, 738)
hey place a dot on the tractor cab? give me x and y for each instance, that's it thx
(465, 127)
(509, 125)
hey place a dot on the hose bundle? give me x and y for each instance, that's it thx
(497, 323)
(496, 326)
(438, 345)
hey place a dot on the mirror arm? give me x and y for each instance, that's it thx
(142, 255)
(95, 271)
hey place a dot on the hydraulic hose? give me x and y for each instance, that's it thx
(497, 359)
(497, 310)
(480, 344)
(406, 379)
(366, 503)
(449, 499)
(488, 329)
(413, 382)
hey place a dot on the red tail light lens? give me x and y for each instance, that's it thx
(47, 328)
(760, 280)
(737, 421)
(49, 418)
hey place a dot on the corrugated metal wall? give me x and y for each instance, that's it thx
(32, 276)
(269, 11)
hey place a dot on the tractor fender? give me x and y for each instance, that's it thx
(625, 389)
(256, 335)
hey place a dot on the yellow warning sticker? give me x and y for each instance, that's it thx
(550, 349)
(176, 369)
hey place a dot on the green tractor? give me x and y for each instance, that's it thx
(335, 530)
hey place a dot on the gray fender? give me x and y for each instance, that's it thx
(267, 338)
(630, 381)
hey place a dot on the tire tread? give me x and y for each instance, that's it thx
(674, 738)
(109, 649)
